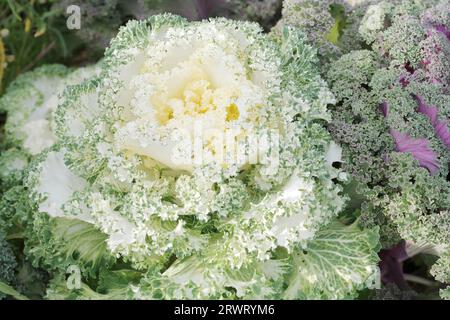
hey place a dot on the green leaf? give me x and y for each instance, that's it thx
(117, 280)
(338, 13)
(59, 290)
(333, 35)
(338, 262)
(83, 242)
(113, 285)
(12, 6)
(8, 290)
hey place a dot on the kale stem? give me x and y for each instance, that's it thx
(420, 280)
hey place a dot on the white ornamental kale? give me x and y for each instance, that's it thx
(199, 158)
(30, 103)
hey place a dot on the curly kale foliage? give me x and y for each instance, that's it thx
(8, 263)
(391, 118)
(140, 232)
(101, 19)
(331, 25)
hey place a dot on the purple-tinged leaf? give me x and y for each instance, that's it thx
(419, 148)
(391, 265)
(384, 108)
(440, 126)
(444, 30)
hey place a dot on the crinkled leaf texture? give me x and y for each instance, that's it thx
(108, 195)
(339, 262)
(58, 243)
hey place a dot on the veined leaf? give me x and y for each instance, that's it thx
(338, 262)
(83, 240)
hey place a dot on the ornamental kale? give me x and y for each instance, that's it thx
(114, 186)
(391, 119)
(219, 159)
(330, 25)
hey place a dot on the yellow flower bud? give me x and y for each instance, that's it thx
(27, 25)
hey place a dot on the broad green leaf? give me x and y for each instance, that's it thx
(10, 291)
(338, 262)
(338, 13)
(83, 241)
(118, 280)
